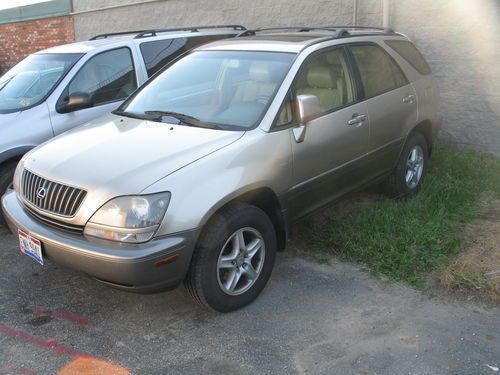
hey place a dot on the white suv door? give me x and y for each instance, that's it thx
(108, 77)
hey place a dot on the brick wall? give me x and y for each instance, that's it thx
(19, 39)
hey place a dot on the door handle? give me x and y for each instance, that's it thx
(357, 120)
(409, 99)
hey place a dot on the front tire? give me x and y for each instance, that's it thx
(406, 179)
(233, 259)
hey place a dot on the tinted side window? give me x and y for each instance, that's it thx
(379, 72)
(411, 54)
(159, 53)
(108, 76)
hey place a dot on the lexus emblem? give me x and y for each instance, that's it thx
(41, 192)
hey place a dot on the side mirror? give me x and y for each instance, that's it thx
(307, 107)
(75, 102)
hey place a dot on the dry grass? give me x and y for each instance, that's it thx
(476, 271)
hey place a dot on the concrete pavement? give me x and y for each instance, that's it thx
(310, 319)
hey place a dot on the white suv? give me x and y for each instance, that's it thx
(57, 89)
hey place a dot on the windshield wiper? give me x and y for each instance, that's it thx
(181, 117)
(130, 114)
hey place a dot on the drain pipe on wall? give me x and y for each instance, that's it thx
(386, 6)
(355, 13)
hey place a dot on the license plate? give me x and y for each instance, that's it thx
(30, 246)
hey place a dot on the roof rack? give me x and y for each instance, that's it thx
(153, 32)
(104, 36)
(339, 31)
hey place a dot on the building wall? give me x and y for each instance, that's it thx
(19, 39)
(461, 40)
(255, 13)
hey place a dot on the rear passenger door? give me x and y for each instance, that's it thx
(391, 102)
(330, 159)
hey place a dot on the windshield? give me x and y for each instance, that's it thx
(215, 89)
(30, 81)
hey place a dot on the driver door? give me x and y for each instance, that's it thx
(109, 77)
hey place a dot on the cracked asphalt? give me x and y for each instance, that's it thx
(310, 319)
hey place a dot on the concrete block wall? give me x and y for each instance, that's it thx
(255, 13)
(461, 41)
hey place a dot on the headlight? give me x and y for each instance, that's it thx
(129, 218)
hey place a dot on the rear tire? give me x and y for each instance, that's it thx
(6, 176)
(406, 179)
(233, 259)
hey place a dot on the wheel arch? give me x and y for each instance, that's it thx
(426, 129)
(264, 198)
(14, 154)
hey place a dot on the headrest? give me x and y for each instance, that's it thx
(321, 77)
(259, 72)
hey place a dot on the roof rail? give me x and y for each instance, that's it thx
(339, 31)
(107, 35)
(153, 32)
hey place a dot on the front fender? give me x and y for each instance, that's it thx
(257, 160)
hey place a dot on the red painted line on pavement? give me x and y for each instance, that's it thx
(62, 314)
(51, 344)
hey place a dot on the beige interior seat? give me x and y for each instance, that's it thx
(259, 85)
(322, 83)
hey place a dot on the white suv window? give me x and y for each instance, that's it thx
(107, 77)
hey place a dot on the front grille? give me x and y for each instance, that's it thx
(51, 196)
(71, 228)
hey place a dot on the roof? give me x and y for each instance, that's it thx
(85, 46)
(118, 40)
(279, 42)
(287, 41)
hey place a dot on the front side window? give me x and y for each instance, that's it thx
(107, 77)
(326, 76)
(31, 81)
(379, 73)
(159, 53)
(219, 89)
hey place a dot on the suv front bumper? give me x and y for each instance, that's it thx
(159, 264)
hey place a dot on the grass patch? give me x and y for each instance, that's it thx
(403, 240)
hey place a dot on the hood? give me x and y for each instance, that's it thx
(120, 155)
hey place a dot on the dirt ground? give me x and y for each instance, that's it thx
(475, 273)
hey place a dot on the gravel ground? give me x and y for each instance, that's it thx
(310, 319)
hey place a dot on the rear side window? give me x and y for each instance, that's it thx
(108, 76)
(411, 54)
(379, 72)
(159, 53)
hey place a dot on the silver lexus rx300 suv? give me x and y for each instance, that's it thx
(197, 177)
